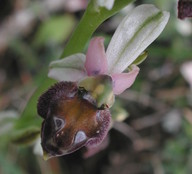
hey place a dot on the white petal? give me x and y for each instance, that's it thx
(108, 4)
(68, 69)
(135, 33)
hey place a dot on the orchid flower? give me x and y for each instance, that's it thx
(76, 110)
(134, 34)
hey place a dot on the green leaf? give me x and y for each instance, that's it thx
(29, 116)
(25, 136)
(7, 120)
(9, 166)
(55, 30)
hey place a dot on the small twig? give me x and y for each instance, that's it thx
(126, 130)
(149, 120)
(157, 164)
(144, 99)
(138, 142)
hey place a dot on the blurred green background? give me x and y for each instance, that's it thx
(155, 138)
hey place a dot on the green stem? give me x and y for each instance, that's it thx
(90, 21)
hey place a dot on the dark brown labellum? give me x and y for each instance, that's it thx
(71, 119)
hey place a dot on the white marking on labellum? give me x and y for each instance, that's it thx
(80, 137)
(59, 123)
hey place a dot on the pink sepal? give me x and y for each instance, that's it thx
(122, 81)
(96, 60)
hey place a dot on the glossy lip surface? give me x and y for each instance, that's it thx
(72, 121)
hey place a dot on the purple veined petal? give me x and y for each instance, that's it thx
(68, 69)
(96, 61)
(135, 33)
(122, 81)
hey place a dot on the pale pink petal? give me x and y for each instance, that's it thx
(96, 61)
(122, 81)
